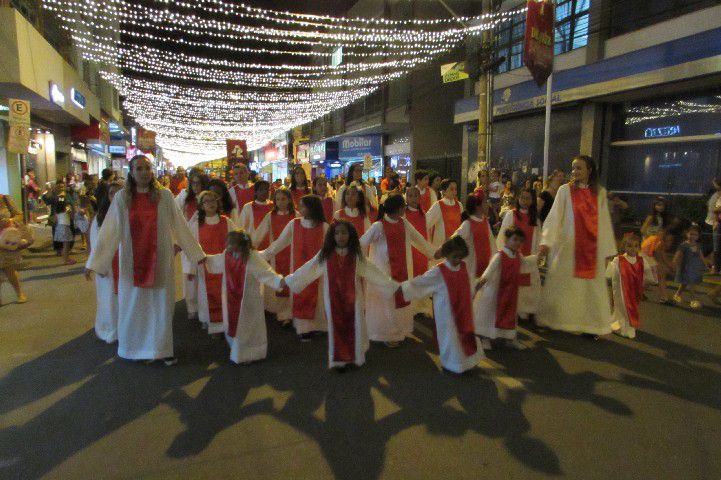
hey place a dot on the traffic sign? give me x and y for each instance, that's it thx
(19, 112)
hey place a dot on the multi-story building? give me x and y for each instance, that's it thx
(73, 109)
(637, 85)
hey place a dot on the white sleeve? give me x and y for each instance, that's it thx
(373, 274)
(418, 241)
(612, 267)
(339, 197)
(183, 236)
(305, 275)
(262, 231)
(263, 272)
(245, 219)
(371, 196)
(434, 216)
(215, 263)
(529, 264)
(553, 226)
(649, 273)
(283, 241)
(423, 286)
(372, 235)
(101, 257)
(505, 225)
(493, 270)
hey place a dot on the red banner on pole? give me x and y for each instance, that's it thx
(539, 39)
(236, 149)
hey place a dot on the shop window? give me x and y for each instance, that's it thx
(628, 16)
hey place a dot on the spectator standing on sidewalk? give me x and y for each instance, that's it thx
(10, 259)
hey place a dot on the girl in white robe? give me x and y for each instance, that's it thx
(478, 235)
(525, 217)
(211, 235)
(187, 201)
(575, 297)
(355, 177)
(106, 287)
(444, 217)
(390, 241)
(244, 275)
(416, 216)
(343, 268)
(452, 289)
(242, 190)
(304, 236)
(496, 306)
(354, 210)
(283, 212)
(629, 273)
(253, 213)
(144, 222)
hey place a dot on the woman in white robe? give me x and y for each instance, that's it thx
(444, 217)
(249, 342)
(364, 270)
(145, 314)
(355, 177)
(386, 323)
(570, 302)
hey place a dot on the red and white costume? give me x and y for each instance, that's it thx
(242, 194)
(628, 277)
(443, 219)
(106, 293)
(390, 243)
(343, 300)
(428, 198)
(529, 293)
(417, 218)
(452, 291)
(368, 191)
(211, 235)
(297, 194)
(145, 233)
(579, 233)
(328, 208)
(243, 315)
(478, 235)
(278, 302)
(305, 240)
(352, 215)
(496, 306)
(250, 218)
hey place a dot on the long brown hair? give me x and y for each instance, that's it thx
(592, 169)
(131, 185)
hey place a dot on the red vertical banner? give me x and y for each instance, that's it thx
(539, 39)
(236, 149)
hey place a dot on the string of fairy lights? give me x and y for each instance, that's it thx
(151, 51)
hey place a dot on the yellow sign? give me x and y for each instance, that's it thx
(453, 72)
(19, 139)
(19, 112)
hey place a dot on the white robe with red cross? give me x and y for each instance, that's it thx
(106, 313)
(627, 287)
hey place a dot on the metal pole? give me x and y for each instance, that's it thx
(547, 128)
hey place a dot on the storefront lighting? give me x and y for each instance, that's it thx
(77, 98)
(56, 94)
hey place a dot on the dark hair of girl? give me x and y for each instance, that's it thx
(349, 178)
(664, 216)
(293, 184)
(329, 245)
(472, 203)
(258, 185)
(445, 184)
(204, 180)
(315, 207)
(226, 202)
(421, 174)
(240, 238)
(393, 204)
(593, 171)
(533, 208)
(131, 186)
(455, 244)
(285, 192)
(361, 199)
(514, 230)
(201, 211)
(104, 203)
(315, 183)
(432, 176)
(394, 181)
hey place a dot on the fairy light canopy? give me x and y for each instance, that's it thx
(199, 72)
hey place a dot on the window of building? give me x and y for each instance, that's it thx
(571, 32)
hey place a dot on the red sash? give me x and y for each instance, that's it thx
(632, 287)
(282, 259)
(418, 219)
(306, 243)
(243, 195)
(327, 203)
(585, 223)
(396, 243)
(459, 295)
(212, 239)
(451, 217)
(116, 272)
(341, 292)
(481, 244)
(425, 200)
(143, 220)
(297, 194)
(190, 208)
(259, 213)
(523, 221)
(358, 221)
(234, 287)
(507, 300)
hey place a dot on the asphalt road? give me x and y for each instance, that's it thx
(567, 407)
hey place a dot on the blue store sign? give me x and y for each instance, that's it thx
(357, 147)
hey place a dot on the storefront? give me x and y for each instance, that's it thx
(398, 156)
(324, 159)
(365, 149)
(667, 147)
